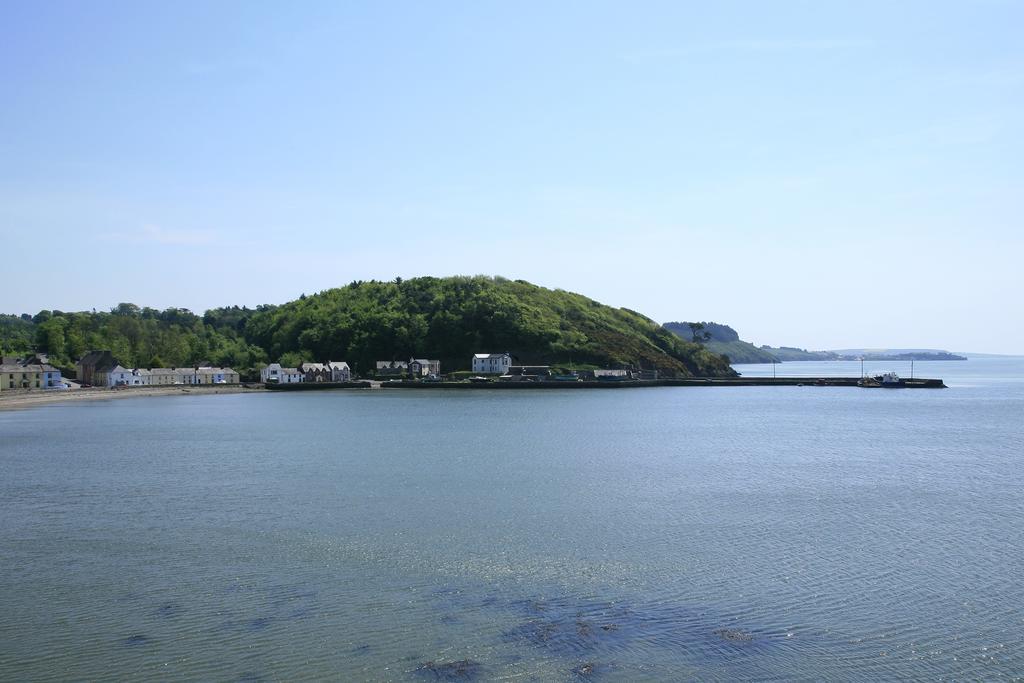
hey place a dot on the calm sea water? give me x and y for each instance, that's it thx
(746, 533)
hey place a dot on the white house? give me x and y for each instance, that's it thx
(275, 374)
(140, 377)
(492, 363)
(120, 376)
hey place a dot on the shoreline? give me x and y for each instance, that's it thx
(31, 398)
(22, 399)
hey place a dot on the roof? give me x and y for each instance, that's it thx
(99, 361)
(213, 371)
(337, 364)
(306, 367)
(482, 356)
(31, 367)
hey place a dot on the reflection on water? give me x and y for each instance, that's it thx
(744, 533)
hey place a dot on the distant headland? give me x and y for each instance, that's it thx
(725, 340)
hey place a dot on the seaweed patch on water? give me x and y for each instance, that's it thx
(591, 670)
(461, 670)
(279, 603)
(135, 640)
(572, 628)
(169, 610)
(258, 624)
(594, 633)
(594, 628)
(569, 634)
(734, 635)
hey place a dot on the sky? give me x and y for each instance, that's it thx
(815, 174)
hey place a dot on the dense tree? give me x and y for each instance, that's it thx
(452, 318)
(443, 318)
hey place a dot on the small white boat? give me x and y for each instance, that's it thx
(890, 380)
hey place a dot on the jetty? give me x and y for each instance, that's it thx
(598, 385)
(687, 382)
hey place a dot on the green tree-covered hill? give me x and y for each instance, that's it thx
(452, 318)
(444, 318)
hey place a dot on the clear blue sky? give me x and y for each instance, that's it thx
(815, 174)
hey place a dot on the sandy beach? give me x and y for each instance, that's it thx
(21, 399)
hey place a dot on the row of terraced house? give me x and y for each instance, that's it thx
(101, 369)
(330, 371)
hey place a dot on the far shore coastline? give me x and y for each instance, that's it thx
(30, 398)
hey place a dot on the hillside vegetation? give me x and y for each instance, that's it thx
(444, 318)
(726, 341)
(451, 318)
(138, 337)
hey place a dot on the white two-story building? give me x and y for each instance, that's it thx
(492, 363)
(275, 374)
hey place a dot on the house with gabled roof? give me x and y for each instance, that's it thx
(216, 375)
(315, 372)
(93, 362)
(393, 368)
(492, 363)
(120, 376)
(340, 371)
(275, 374)
(423, 367)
